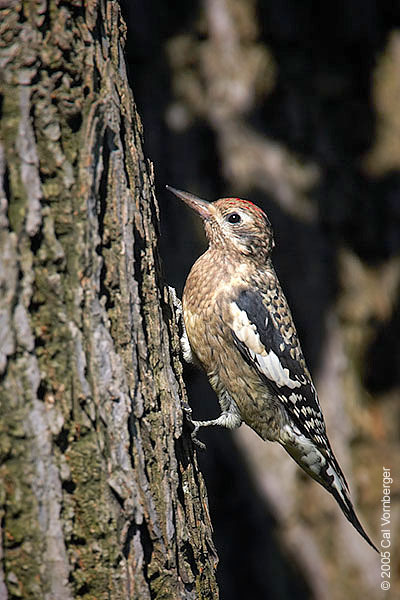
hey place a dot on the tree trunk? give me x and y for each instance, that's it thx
(100, 494)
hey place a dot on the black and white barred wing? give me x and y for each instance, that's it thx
(278, 360)
(281, 366)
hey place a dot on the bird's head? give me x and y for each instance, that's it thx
(233, 224)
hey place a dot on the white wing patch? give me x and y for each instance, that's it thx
(246, 331)
(267, 361)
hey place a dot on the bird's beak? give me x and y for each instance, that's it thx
(202, 207)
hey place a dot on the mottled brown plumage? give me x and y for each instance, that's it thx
(240, 330)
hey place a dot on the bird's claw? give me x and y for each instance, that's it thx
(196, 426)
(196, 440)
(188, 411)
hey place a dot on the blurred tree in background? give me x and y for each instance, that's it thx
(295, 106)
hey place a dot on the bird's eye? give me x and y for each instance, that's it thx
(234, 218)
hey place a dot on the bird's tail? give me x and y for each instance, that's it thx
(325, 469)
(348, 509)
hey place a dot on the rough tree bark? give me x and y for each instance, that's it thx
(100, 494)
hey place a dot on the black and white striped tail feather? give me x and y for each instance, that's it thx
(335, 483)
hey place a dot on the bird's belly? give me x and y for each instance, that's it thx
(228, 372)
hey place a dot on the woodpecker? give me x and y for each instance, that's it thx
(241, 332)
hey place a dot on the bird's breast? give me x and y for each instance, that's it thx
(209, 290)
(207, 301)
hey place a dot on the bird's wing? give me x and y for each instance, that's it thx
(278, 360)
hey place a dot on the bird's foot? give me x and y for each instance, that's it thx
(195, 424)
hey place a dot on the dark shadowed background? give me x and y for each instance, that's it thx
(295, 106)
